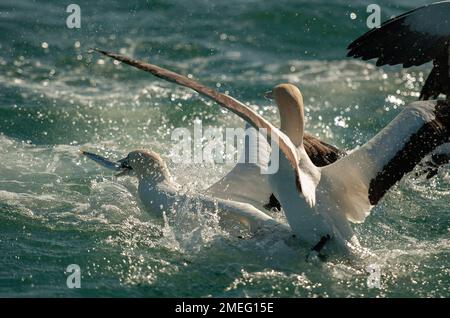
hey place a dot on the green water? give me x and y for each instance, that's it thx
(58, 209)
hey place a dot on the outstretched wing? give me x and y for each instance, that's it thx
(438, 81)
(358, 181)
(320, 152)
(246, 182)
(306, 180)
(413, 38)
(246, 214)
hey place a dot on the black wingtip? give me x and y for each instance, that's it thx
(115, 56)
(98, 51)
(352, 45)
(92, 50)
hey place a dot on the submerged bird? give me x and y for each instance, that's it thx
(413, 38)
(160, 193)
(319, 202)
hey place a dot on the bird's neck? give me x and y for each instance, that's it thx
(292, 124)
(154, 177)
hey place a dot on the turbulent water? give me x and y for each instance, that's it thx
(57, 208)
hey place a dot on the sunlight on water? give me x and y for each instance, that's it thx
(57, 208)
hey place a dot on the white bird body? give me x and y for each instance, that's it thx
(306, 222)
(159, 197)
(167, 196)
(342, 192)
(239, 183)
(160, 194)
(254, 165)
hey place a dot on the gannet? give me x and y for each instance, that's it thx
(160, 194)
(320, 202)
(238, 184)
(413, 38)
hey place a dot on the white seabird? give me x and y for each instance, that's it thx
(413, 38)
(320, 202)
(239, 183)
(160, 193)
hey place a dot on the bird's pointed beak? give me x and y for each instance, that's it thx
(268, 95)
(122, 166)
(125, 166)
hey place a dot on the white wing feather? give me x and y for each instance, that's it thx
(246, 182)
(349, 178)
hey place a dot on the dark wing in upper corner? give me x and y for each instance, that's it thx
(438, 82)
(413, 38)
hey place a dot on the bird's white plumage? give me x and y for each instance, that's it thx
(160, 194)
(304, 220)
(165, 196)
(239, 183)
(343, 189)
(349, 178)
